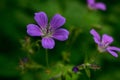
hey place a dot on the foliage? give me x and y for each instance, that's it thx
(79, 49)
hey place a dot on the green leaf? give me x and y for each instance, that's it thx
(88, 72)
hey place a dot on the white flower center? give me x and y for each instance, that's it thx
(47, 32)
(102, 47)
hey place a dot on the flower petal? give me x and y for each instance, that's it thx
(89, 2)
(106, 39)
(112, 50)
(41, 19)
(57, 21)
(113, 53)
(33, 30)
(61, 34)
(48, 43)
(95, 35)
(101, 6)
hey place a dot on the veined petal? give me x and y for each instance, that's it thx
(101, 6)
(61, 34)
(41, 19)
(95, 35)
(89, 2)
(57, 21)
(33, 30)
(48, 43)
(112, 50)
(113, 53)
(106, 39)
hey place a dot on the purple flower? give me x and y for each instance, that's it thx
(93, 5)
(50, 31)
(75, 69)
(104, 42)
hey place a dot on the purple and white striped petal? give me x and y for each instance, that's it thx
(106, 39)
(96, 36)
(57, 21)
(48, 43)
(101, 6)
(112, 50)
(61, 34)
(41, 19)
(33, 30)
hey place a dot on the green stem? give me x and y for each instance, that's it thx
(46, 51)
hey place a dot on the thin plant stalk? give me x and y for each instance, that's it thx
(47, 63)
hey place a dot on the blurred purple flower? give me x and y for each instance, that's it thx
(75, 69)
(104, 42)
(93, 5)
(48, 31)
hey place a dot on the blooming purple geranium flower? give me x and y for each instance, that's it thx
(48, 31)
(104, 42)
(93, 5)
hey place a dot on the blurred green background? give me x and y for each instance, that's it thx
(16, 14)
